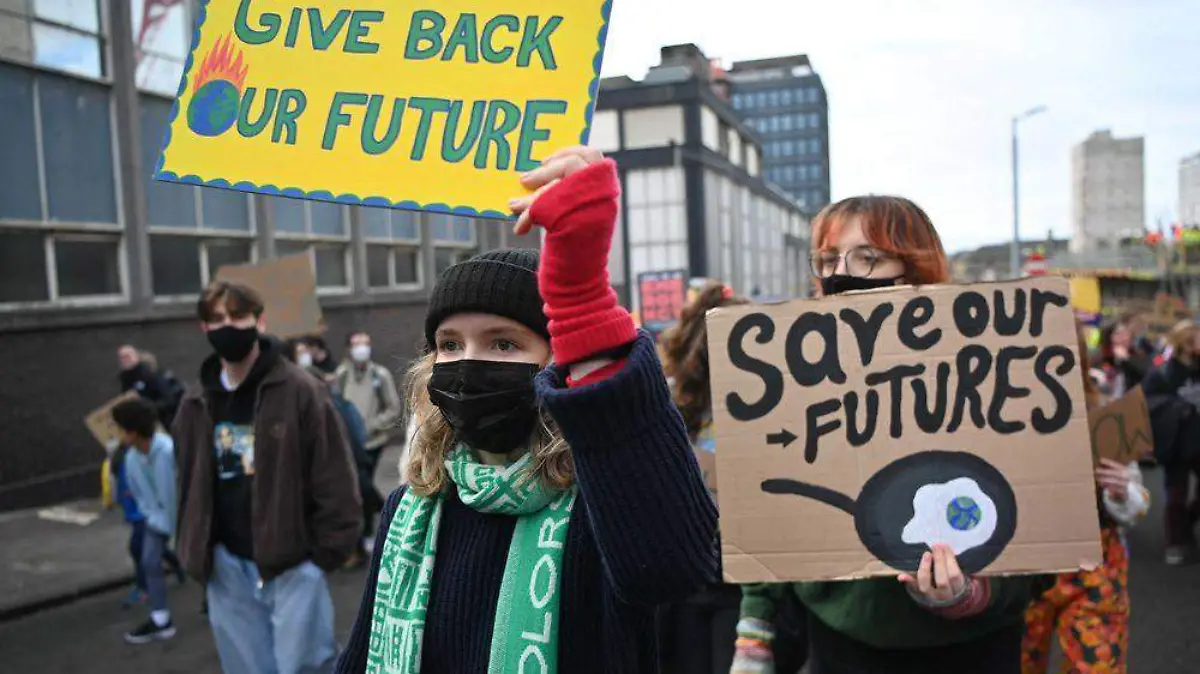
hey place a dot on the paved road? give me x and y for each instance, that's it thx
(86, 636)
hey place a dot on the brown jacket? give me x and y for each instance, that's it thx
(306, 504)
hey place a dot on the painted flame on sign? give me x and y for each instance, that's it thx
(222, 62)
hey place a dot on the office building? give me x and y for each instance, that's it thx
(694, 197)
(1108, 191)
(784, 100)
(1189, 191)
(95, 254)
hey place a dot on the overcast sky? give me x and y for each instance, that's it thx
(921, 91)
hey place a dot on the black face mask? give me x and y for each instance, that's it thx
(840, 283)
(233, 344)
(490, 404)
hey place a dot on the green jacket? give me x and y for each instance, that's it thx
(879, 612)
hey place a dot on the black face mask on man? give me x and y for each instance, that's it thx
(232, 344)
(841, 283)
(491, 405)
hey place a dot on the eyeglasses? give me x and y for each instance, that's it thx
(860, 261)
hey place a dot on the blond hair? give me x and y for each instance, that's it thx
(434, 440)
(1182, 340)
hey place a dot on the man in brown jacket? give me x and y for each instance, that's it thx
(269, 496)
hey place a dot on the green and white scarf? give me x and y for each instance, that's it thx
(525, 632)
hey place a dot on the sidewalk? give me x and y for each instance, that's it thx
(54, 555)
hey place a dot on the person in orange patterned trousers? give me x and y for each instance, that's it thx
(1089, 610)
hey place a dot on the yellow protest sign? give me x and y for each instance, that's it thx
(435, 106)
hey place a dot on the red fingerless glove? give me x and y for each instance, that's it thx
(579, 216)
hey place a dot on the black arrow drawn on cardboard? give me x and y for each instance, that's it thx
(783, 437)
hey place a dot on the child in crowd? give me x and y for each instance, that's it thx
(149, 468)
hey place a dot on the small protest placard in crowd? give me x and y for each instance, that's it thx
(289, 292)
(100, 422)
(409, 104)
(854, 432)
(661, 296)
(1121, 429)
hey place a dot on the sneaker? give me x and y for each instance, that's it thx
(148, 631)
(1175, 556)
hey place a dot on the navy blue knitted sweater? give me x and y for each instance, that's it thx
(643, 532)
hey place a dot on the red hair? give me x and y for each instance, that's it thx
(895, 226)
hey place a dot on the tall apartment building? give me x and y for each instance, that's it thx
(1189, 190)
(784, 100)
(693, 194)
(1108, 191)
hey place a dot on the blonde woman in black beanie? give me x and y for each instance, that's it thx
(553, 499)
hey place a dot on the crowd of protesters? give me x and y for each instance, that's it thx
(551, 511)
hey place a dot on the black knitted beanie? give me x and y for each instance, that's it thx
(501, 282)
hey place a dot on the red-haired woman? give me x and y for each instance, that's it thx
(938, 620)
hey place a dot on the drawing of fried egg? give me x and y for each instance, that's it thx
(957, 513)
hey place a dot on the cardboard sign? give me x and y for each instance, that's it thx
(1121, 429)
(436, 106)
(661, 296)
(1168, 312)
(854, 432)
(100, 422)
(289, 292)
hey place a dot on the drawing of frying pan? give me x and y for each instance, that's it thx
(925, 498)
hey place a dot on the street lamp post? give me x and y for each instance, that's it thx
(1014, 259)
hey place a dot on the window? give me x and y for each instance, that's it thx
(787, 148)
(393, 248)
(774, 99)
(814, 120)
(194, 230)
(786, 122)
(330, 262)
(814, 145)
(801, 121)
(774, 123)
(656, 218)
(59, 230)
(453, 238)
(812, 94)
(320, 229)
(181, 265)
(762, 99)
(63, 34)
(161, 33)
(788, 176)
(785, 97)
(737, 101)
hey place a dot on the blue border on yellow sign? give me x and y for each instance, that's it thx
(354, 199)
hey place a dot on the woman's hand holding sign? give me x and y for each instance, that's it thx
(1114, 479)
(575, 200)
(939, 580)
(542, 179)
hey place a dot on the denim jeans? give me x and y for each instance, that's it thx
(154, 545)
(284, 626)
(137, 536)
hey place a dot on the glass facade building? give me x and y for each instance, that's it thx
(784, 100)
